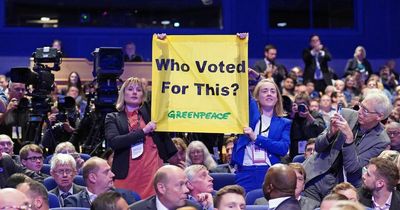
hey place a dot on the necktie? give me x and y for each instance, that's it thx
(65, 195)
(318, 73)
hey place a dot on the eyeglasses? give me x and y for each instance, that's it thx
(68, 172)
(25, 206)
(365, 111)
(34, 158)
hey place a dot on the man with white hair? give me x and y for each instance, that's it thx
(63, 170)
(8, 147)
(200, 185)
(346, 146)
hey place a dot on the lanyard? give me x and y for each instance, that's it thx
(260, 128)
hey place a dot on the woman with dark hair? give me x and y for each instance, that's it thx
(139, 151)
(266, 140)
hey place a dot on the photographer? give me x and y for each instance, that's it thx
(62, 125)
(306, 124)
(13, 120)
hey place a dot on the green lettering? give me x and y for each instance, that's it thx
(178, 114)
(171, 114)
(226, 115)
(184, 115)
(208, 115)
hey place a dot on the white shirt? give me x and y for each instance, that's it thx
(248, 152)
(159, 205)
(386, 206)
(92, 196)
(273, 203)
(60, 192)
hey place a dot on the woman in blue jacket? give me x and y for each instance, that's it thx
(266, 140)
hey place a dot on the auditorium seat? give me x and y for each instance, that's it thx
(45, 169)
(222, 179)
(53, 201)
(257, 207)
(253, 195)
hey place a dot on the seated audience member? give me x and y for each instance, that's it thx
(279, 188)
(266, 139)
(14, 180)
(8, 147)
(288, 87)
(393, 131)
(180, 156)
(4, 86)
(314, 105)
(108, 155)
(68, 148)
(305, 203)
(8, 166)
(310, 148)
(63, 170)
(350, 88)
(326, 109)
(306, 124)
(13, 199)
(81, 103)
(332, 199)
(197, 153)
(109, 201)
(32, 158)
(311, 90)
(359, 64)
(329, 90)
(36, 193)
(347, 190)
(347, 205)
(130, 53)
(379, 184)
(171, 191)
(229, 143)
(297, 72)
(345, 147)
(98, 179)
(230, 197)
(339, 86)
(200, 185)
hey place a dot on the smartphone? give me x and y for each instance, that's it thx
(339, 108)
(302, 108)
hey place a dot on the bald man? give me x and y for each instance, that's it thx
(171, 192)
(13, 199)
(279, 188)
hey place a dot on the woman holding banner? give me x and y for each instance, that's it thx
(138, 150)
(266, 140)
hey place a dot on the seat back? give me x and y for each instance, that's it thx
(49, 183)
(299, 158)
(45, 169)
(53, 201)
(222, 179)
(79, 180)
(257, 207)
(252, 196)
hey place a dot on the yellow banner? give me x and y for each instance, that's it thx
(200, 83)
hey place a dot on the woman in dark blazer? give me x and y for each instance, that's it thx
(138, 150)
(359, 64)
(266, 140)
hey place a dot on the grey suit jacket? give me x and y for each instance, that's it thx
(75, 189)
(355, 157)
(81, 199)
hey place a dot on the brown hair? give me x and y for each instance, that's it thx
(23, 153)
(180, 142)
(387, 170)
(120, 105)
(225, 190)
(299, 168)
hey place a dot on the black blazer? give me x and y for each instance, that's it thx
(310, 66)
(291, 203)
(150, 204)
(365, 198)
(81, 199)
(351, 66)
(120, 140)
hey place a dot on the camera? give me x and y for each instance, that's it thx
(302, 108)
(66, 108)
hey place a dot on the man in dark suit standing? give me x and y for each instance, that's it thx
(63, 170)
(171, 191)
(99, 179)
(279, 188)
(380, 181)
(344, 148)
(316, 67)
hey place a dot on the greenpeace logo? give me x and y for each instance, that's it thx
(174, 114)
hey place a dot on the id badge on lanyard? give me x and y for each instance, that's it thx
(259, 155)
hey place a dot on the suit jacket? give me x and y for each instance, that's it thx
(355, 157)
(150, 204)
(278, 140)
(351, 66)
(81, 199)
(120, 140)
(310, 66)
(291, 203)
(7, 168)
(365, 198)
(305, 202)
(75, 189)
(260, 66)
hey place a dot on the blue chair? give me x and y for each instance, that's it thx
(222, 179)
(45, 169)
(84, 156)
(53, 201)
(70, 208)
(257, 207)
(79, 180)
(299, 158)
(49, 183)
(136, 196)
(253, 195)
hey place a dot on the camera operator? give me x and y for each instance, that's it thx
(62, 124)
(306, 124)
(13, 120)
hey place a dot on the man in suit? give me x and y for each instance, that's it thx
(63, 170)
(268, 66)
(200, 185)
(316, 68)
(380, 180)
(99, 179)
(279, 188)
(13, 198)
(171, 191)
(110, 200)
(344, 148)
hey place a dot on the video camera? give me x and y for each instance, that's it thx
(66, 109)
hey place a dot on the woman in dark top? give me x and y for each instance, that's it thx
(359, 64)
